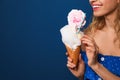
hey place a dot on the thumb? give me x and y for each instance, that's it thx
(80, 58)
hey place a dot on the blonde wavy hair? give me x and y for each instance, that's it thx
(98, 23)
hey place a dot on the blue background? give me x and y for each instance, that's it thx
(30, 41)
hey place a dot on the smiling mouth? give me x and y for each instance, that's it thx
(96, 6)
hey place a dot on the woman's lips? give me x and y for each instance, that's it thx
(96, 6)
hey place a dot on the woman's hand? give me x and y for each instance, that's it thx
(91, 49)
(77, 70)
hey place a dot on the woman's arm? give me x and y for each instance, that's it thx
(103, 72)
(92, 53)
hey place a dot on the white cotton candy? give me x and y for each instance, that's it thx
(69, 36)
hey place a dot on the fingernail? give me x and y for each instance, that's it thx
(74, 65)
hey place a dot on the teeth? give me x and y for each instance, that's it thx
(96, 6)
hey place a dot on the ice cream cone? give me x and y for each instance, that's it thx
(73, 54)
(71, 33)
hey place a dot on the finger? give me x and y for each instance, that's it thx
(80, 57)
(70, 65)
(66, 53)
(69, 59)
(88, 37)
(87, 43)
(88, 40)
(73, 70)
(89, 50)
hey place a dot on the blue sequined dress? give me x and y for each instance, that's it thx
(112, 63)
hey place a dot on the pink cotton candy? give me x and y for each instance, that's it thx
(76, 18)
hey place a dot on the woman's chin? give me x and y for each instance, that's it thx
(97, 15)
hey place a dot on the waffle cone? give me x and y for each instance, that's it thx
(73, 54)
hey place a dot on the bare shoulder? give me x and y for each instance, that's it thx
(105, 42)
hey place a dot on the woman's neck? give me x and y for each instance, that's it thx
(110, 19)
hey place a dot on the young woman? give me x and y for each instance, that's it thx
(100, 57)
